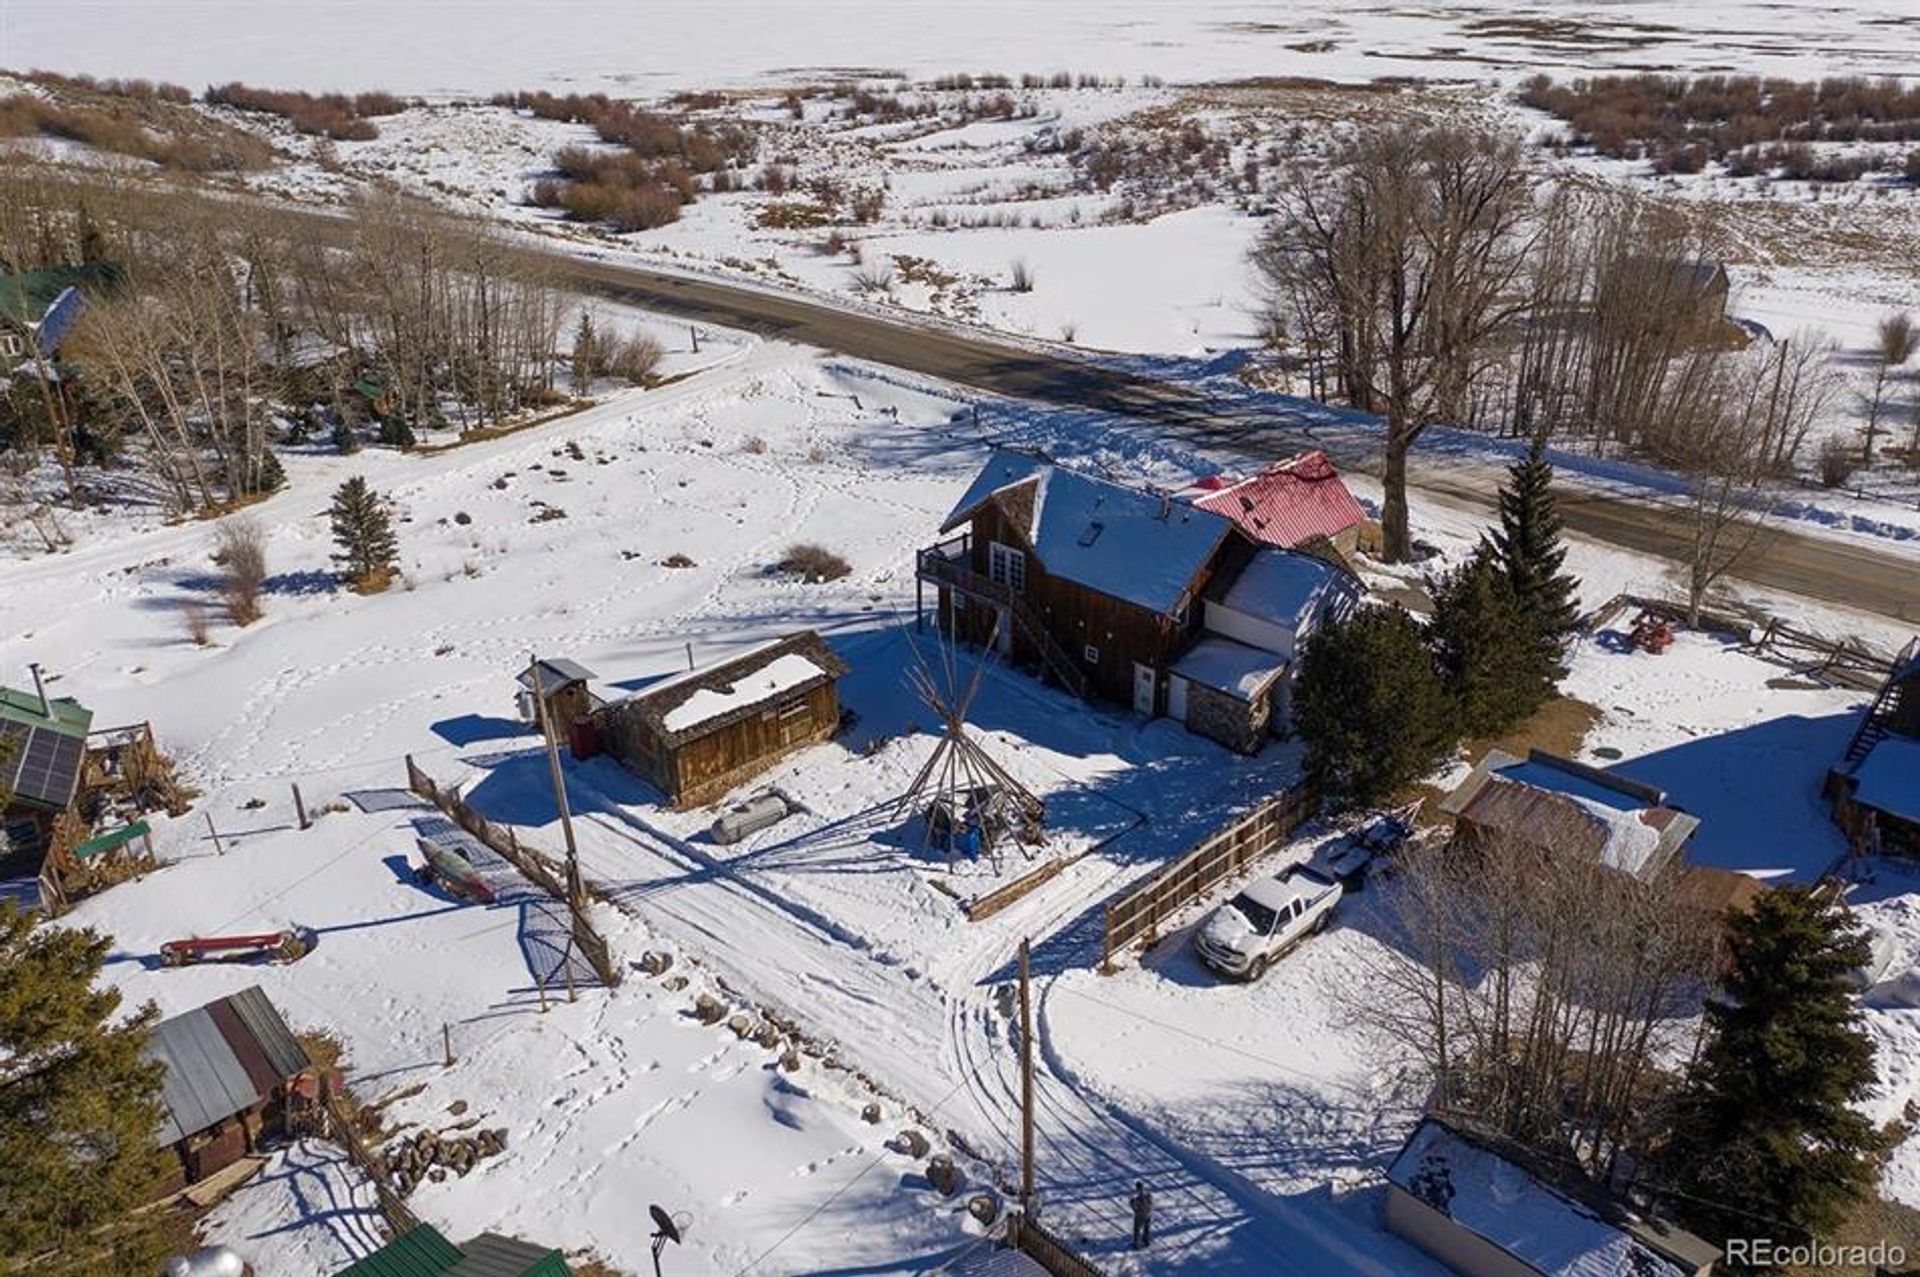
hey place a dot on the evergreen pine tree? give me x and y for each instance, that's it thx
(363, 531)
(395, 432)
(1765, 1131)
(1370, 705)
(79, 1105)
(1492, 662)
(585, 355)
(268, 474)
(1528, 547)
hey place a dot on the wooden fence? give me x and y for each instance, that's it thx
(1841, 660)
(1136, 917)
(1846, 661)
(1036, 1243)
(399, 1216)
(542, 870)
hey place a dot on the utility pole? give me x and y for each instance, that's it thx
(1026, 1086)
(576, 898)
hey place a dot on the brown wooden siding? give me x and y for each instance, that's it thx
(705, 768)
(1077, 617)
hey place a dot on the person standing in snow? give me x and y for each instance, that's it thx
(1142, 1215)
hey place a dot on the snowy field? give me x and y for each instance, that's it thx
(606, 45)
(835, 920)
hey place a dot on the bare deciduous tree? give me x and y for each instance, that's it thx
(1539, 987)
(1895, 340)
(1415, 247)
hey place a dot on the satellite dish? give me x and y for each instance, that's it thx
(664, 1222)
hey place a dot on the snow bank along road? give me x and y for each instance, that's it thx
(1836, 572)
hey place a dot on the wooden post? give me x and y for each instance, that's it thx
(300, 808)
(566, 960)
(446, 1043)
(217, 848)
(689, 655)
(694, 334)
(540, 983)
(1026, 1084)
(575, 896)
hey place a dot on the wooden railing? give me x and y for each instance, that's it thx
(1137, 916)
(944, 564)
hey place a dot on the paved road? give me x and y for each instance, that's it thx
(1882, 581)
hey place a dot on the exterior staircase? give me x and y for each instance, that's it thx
(950, 564)
(1886, 706)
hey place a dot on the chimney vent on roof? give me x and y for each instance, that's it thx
(40, 690)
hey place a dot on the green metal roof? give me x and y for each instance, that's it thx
(25, 295)
(419, 1252)
(107, 842)
(69, 717)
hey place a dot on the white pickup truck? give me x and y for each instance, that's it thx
(1244, 936)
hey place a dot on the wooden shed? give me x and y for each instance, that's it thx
(566, 687)
(229, 1066)
(699, 734)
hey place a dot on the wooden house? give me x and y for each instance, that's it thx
(229, 1068)
(1488, 1208)
(1568, 808)
(1290, 505)
(1130, 595)
(1880, 772)
(699, 734)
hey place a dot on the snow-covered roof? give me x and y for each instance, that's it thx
(1566, 805)
(1506, 1204)
(1288, 587)
(1288, 503)
(1226, 666)
(782, 674)
(699, 701)
(555, 673)
(1139, 547)
(1888, 778)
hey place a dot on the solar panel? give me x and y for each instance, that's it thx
(49, 765)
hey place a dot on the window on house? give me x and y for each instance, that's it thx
(1007, 566)
(11, 345)
(1091, 653)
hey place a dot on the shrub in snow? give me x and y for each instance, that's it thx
(240, 550)
(1022, 277)
(1838, 461)
(814, 563)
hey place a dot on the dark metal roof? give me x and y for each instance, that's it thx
(556, 673)
(491, 1255)
(421, 1251)
(222, 1059)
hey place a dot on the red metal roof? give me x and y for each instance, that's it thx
(1289, 503)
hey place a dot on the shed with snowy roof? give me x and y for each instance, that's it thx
(698, 734)
(1486, 1208)
(1569, 808)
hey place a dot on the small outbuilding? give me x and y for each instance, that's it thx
(1568, 807)
(230, 1067)
(1487, 1209)
(565, 686)
(699, 734)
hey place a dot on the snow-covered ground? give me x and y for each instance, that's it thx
(588, 45)
(836, 919)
